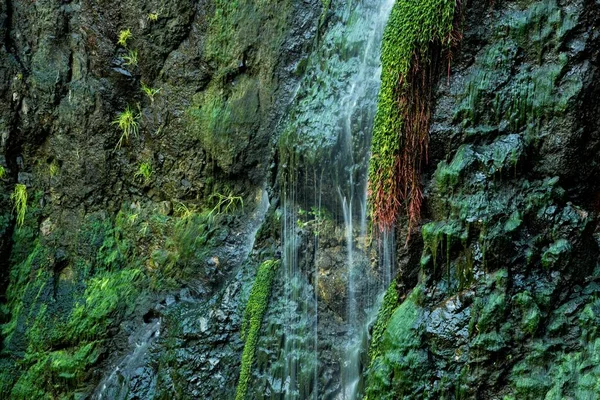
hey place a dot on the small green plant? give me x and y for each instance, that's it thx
(19, 199)
(226, 204)
(150, 92)
(153, 16)
(144, 171)
(128, 124)
(132, 218)
(183, 211)
(54, 168)
(124, 36)
(2, 172)
(131, 58)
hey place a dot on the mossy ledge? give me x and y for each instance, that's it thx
(418, 35)
(253, 316)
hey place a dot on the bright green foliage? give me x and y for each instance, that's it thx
(131, 58)
(124, 36)
(127, 122)
(54, 372)
(105, 294)
(255, 310)
(2, 172)
(393, 173)
(113, 259)
(153, 16)
(19, 199)
(150, 92)
(144, 171)
(54, 168)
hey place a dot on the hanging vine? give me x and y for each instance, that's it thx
(419, 37)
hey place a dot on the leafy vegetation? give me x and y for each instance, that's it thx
(225, 204)
(131, 58)
(400, 136)
(19, 199)
(2, 172)
(127, 122)
(153, 16)
(253, 316)
(144, 171)
(150, 92)
(124, 36)
(105, 293)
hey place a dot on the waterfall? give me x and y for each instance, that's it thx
(324, 156)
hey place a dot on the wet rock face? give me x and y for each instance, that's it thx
(111, 230)
(509, 264)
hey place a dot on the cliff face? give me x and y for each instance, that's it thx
(152, 140)
(115, 224)
(503, 303)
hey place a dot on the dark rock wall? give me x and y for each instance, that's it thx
(503, 303)
(119, 238)
(506, 301)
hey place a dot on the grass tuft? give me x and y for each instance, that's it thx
(127, 122)
(124, 36)
(19, 199)
(131, 58)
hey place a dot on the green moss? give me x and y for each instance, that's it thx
(410, 31)
(253, 315)
(492, 313)
(223, 120)
(536, 93)
(442, 235)
(106, 295)
(557, 251)
(54, 372)
(390, 302)
(447, 175)
(400, 355)
(229, 112)
(25, 286)
(530, 312)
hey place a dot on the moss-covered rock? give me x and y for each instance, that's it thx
(509, 252)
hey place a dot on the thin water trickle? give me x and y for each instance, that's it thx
(328, 140)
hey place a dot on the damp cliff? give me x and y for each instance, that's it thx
(282, 199)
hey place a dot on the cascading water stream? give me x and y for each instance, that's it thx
(324, 168)
(358, 320)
